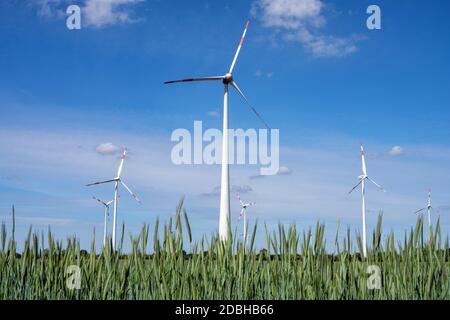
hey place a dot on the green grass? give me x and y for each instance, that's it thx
(294, 265)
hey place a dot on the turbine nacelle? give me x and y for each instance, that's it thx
(227, 78)
(244, 205)
(364, 175)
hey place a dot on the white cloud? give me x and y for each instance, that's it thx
(101, 13)
(46, 221)
(281, 171)
(396, 151)
(245, 189)
(45, 8)
(301, 21)
(259, 73)
(325, 46)
(95, 13)
(289, 14)
(50, 8)
(284, 170)
(213, 114)
(107, 148)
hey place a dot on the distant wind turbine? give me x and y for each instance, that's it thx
(105, 227)
(226, 79)
(116, 181)
(362, 178)
(243, 214)
(428, 208)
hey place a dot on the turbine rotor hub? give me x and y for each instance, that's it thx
(228, 78)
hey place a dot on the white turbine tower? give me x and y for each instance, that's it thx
(243, 214)
(105, 227)
(362, 179)
(428, 208)
(226, 79)
(117, 180)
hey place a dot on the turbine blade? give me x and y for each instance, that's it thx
(131, 192)
(122, 159)
(379, 187)
(100, 201)
(234, 84)
(196, 79)
(355, 186)
(239, 198)
(100, 182)
(239, 48)
(363, 161)
(241, 214)
(420, 210)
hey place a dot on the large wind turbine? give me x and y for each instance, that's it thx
(105, 227)
(116, 181)
(243, 214)
(226, 79)
(362, 179)
(428, 208)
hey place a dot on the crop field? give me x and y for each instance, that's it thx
(294, 265)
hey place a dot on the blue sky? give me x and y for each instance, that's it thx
(311, 67)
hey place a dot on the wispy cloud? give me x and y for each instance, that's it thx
(107, 148)
(396, 151)
(213, 114)
(94, 13)
(259, 73)
(393, 152)
(284, 170)
(303, 21)
(42, 221)
(281, 171)
(50, 8)
(234, 189)
(102, 13)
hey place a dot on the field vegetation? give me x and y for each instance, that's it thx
(293, 265)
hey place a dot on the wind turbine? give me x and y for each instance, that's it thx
(226, 79)
(362, 179)
(428, 208)
(243, 214)
(116, 181)
(105, 228)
